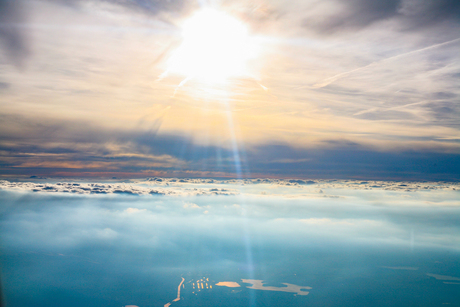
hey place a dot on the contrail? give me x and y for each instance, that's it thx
(180, 85)
(392, 108)
(263, 87)
(332, 79)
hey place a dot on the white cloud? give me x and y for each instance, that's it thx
(191, 205)
(135, 210)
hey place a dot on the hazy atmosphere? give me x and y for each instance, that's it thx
(229, 153)
(230, 243)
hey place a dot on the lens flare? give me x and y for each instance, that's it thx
(215, 47)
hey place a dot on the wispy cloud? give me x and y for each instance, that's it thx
(340, 87)
(345, 74)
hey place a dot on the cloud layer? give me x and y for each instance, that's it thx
(122, 249)
(195, 186)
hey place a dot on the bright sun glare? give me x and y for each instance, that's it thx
(215, 47)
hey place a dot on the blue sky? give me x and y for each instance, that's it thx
(337, 89)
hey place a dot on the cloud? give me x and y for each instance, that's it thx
(353, 161)
(15, 24)
(191, 206)
(197, 186)
(135, 210)
(428, 12)
(148, 6)
(347, 15)
(367, 217)
(115, 188)
(356, 70)
(13, 38)
(88, 109)
(342, 16)
(106, 234)
(65, 240)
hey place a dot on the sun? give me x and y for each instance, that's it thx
(215, 47)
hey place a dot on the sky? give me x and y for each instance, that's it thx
(230, 89)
